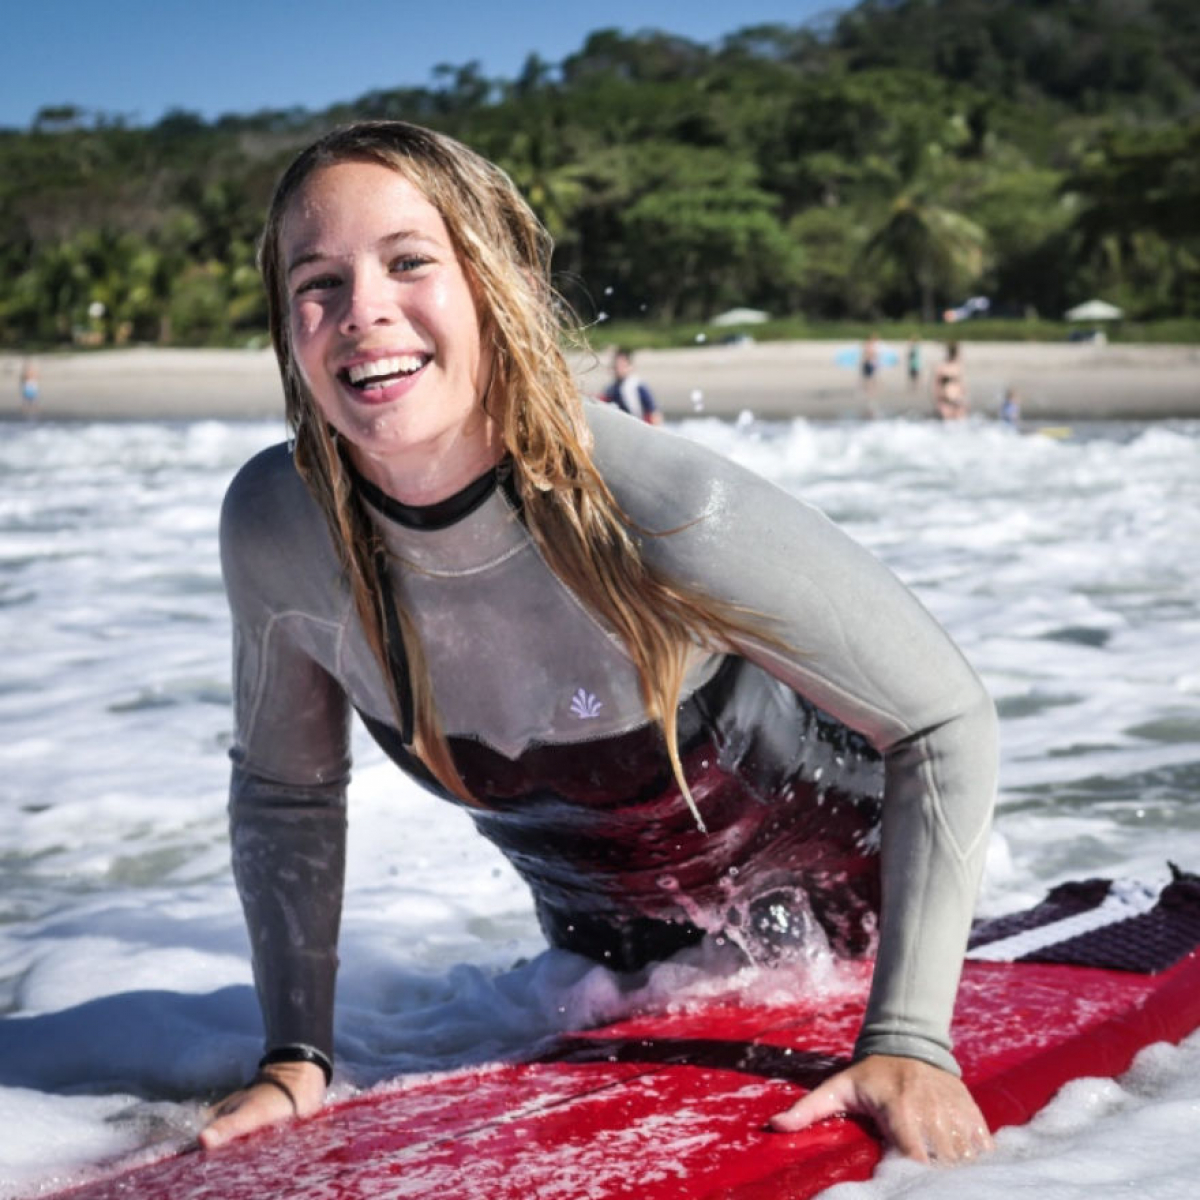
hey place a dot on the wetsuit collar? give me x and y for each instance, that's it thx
(466, 532)
(441, 515)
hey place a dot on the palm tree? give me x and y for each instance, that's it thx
(553, 189)
(936, 251)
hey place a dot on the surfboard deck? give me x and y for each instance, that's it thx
(671, 1104)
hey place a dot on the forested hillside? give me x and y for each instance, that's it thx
(886, 162)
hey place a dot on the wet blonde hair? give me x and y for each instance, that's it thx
(568, 509)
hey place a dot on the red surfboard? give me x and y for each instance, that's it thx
(666, 1105)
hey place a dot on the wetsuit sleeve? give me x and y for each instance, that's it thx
(859, 645)
(290, 767)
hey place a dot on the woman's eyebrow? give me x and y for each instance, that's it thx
(304, 259)
(409, 235)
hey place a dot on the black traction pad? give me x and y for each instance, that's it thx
(1116, 925)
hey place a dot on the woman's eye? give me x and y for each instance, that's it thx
(317, 283)
(409, 262)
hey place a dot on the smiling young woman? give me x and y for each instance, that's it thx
(679, 699)
(385, 331)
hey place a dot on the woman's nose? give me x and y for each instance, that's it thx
(369, 302)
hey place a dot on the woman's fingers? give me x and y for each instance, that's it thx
(922, 1111)
(831, 1099)
(278, 1093)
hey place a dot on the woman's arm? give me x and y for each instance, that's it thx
(289, 861)
(287, 793)
(860, 646)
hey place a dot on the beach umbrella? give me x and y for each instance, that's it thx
(1094, 310)
(741, 316)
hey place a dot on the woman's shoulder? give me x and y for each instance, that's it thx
(269, 479)
(267, 499)
(645, 467)
(660, 478)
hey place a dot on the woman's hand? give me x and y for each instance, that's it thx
(921, 1110)
(277, 1093)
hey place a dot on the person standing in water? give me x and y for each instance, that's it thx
(29, 387)
(950, 387)
(1010, 408)
(912, 361)
(623, 655)
(628, 392)
(869, 365)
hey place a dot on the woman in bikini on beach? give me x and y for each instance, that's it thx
(950, 387)
(627, 658)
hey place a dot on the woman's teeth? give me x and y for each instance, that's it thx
(382, 370)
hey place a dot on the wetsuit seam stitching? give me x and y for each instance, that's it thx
(462, 572)
(263, 671)
(343, 633)
(934, 792)
(912, 967)
(524, 542)
(535, 744)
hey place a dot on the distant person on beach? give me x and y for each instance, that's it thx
(29, 387)
(912, 360)
(950, 387)
(1010, 408)
(628, 392)
(869, 364)
(680, 700)
(870, 360)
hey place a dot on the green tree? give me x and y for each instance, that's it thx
(1026, 216)
(703, 235)
(923, 245)
(49, 299)
(830, 243)
(884, 159)
(553, 188)
(1136, 235)
(934, 253)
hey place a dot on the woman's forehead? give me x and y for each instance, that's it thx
(352, 200)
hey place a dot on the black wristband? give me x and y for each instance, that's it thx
(299, 1053)
(270, 1081)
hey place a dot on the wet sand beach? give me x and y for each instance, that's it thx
(1056, 382)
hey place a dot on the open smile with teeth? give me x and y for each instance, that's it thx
(383, 371)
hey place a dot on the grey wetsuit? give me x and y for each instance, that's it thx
(871, 734)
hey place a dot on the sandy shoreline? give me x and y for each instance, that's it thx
(1057, 382)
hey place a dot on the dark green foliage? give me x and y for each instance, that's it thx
(884, 163)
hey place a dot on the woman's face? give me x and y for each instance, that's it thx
(385, 330)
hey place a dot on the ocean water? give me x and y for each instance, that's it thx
(1068, 569)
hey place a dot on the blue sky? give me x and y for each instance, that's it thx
(139, 58)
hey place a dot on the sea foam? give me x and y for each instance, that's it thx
(1065, 568)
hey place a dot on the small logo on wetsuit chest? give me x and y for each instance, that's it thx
(585, 706)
